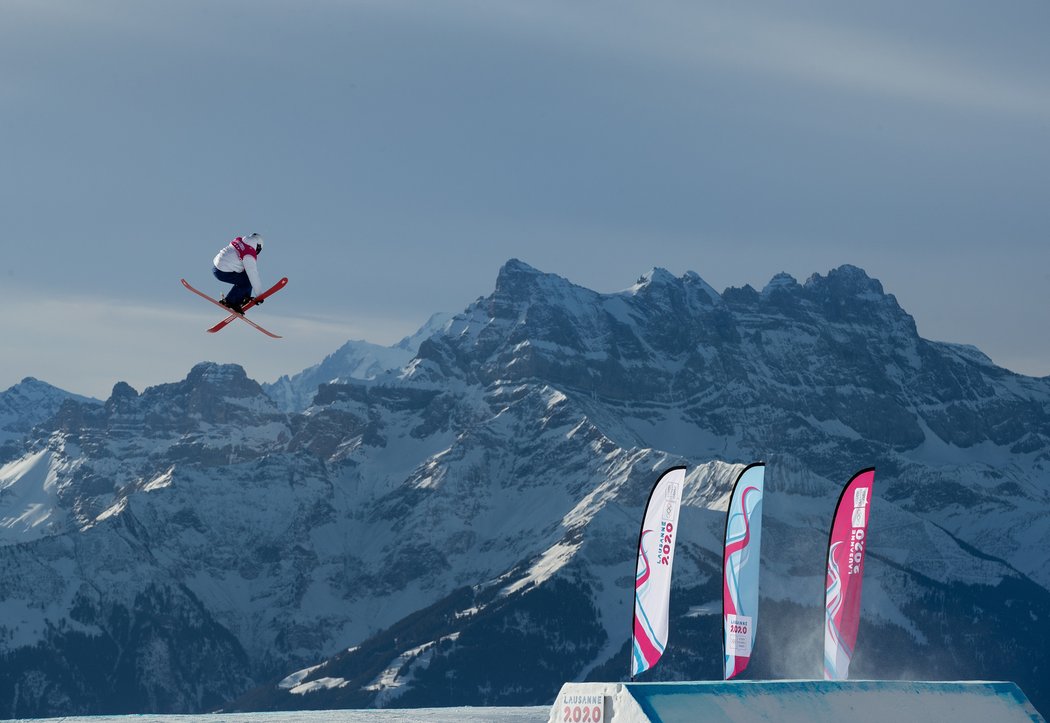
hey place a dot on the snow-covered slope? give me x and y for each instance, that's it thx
(459, 529)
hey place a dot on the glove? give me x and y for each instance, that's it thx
(258, 301)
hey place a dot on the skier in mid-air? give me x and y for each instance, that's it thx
(236, 264)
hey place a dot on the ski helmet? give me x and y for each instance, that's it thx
(256, 239)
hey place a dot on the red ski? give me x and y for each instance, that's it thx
(276, 287)
(273, 289)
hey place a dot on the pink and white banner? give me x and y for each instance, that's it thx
(847, 545)
(743, 542)
(652, 582)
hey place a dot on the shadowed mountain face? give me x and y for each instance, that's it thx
(459, 526)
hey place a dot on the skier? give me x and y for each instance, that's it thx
(236, 264)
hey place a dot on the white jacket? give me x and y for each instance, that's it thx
(239, 256)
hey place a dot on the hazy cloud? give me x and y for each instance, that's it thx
(398, 152)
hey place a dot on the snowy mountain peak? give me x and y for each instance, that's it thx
(657, 276)
(782, 282)
(355, 360)
(217, 374)
(218, 394)
(520, 286)
(29, 383)
(27, 404)
(846, 280)
(690, 288)
(701, 288)
(516, 274)
(437, 322)
(848, 294)
(31, 391)
(122, 397)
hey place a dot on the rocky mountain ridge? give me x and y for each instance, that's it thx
(459, 527)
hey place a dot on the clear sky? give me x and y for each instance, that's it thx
(395, 154)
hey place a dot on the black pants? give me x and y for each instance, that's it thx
(242, 286)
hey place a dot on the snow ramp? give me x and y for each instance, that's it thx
(793, 700)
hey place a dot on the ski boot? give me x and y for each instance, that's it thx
(236, 308)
